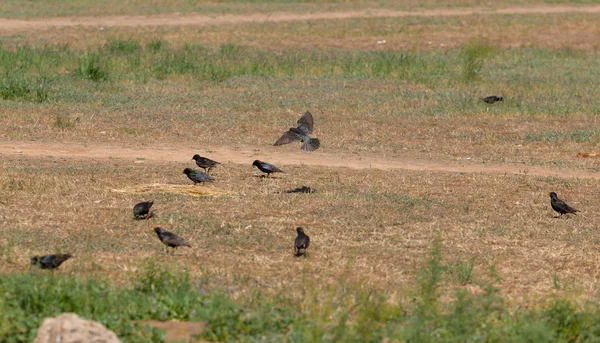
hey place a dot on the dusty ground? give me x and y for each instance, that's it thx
(375, 213)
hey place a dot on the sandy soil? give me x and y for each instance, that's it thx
(9, 26)
(241, 156)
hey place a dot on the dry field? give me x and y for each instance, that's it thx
(404, 161)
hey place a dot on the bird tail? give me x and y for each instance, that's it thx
(311, 145)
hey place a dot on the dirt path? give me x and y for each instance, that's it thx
(175, 19)
(276, 156)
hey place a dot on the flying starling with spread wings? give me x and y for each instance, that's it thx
(142, 210)
(49, 261)
(205, 163)
(559, 205)
(170, 239)
(492, 99)
(266, 167)
(301, 243)
(300, 134)
(197, 176)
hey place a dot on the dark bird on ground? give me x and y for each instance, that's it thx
(170, 239)
(303, 189)
(205, 163)
(492, 99)
(49, 261)
(142, 210)
(301, 243)
(266, 167)
(300, 134)
(197, 176)
(559, 205)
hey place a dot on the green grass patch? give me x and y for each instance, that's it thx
(579, 136)
(341, 312)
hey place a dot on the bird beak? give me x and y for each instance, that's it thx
(150, 229)
(548, 193)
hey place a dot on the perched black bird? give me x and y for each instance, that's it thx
(301, 243)
(170, 239)
(142, 210)
(266, 167)
(197, 176)
(492, 99)
(205, 163)
(303, 189)
(300, 134)
(49, 261)
(559, 205)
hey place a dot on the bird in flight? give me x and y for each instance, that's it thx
(300, 134)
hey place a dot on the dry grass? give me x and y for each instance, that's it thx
(378, 224)
(367, 226)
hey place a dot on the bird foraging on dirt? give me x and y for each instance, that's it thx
(197, 176)
(559, 205)
(301, 243)
(205, 163)
(170, 239)
(266, 167)
(142, 210)
(300, 134)
(303, 189)
(49, 261)
(492, 99)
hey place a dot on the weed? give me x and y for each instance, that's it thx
(473, 56)
(91, 67)
(63, 122)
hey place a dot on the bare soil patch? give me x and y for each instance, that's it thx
(245, 157)
(10, 26)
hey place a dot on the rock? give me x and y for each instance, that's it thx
(69, 328)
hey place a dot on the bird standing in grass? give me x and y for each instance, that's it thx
(301, 243)
(170, 239)
(559, 205)
(49, 261)
(142, 210)
(492, 99)
(300, 134)
(205, 163)
(197, 176)
(266, 167)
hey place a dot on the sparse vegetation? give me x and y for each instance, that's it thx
(455, 248)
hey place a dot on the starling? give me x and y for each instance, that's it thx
(170, 239)
(205, 163)
(303, 189)
(492, 99)
(559, 205)
(197, 176)
(266, 167)
(301, 243)
(49, 261)
(300, 134)
(142, 210)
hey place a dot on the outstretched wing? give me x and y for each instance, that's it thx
(305, 123)
(288, 137)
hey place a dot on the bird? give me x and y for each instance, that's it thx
(49, 261)
(266, 167)
(559, 205)
(142, 210)
(170, 239)
(197, 176)
(205, 163)
(492, 99)
(300, 134)
(301, 243)
(303, 189)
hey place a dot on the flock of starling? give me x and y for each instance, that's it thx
(141, 211)
(302, 241)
